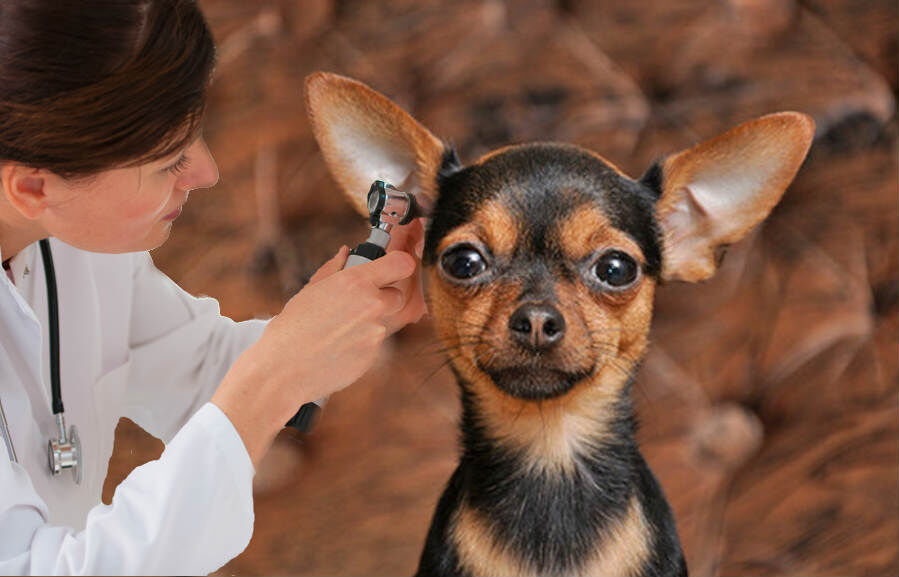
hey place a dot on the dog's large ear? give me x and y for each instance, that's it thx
(365, 137)
(714, 193)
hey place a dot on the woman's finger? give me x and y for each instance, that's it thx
(414, 308)
(334, 264)
(407, 237)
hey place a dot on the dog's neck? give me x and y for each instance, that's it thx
(550, 506)
(549, 437)
(556, 435)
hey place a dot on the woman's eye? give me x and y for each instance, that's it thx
(616, 269)
(463, 262)
(179, 166)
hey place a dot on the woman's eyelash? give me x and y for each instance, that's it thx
(179, 166)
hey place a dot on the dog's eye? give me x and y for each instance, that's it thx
(463, 262)
(616, 269)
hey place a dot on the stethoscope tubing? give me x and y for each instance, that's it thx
(53, 313)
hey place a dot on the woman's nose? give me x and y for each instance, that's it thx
(202, 172)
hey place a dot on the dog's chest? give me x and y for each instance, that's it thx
(620, 547)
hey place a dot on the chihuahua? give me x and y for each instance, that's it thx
(541, 263)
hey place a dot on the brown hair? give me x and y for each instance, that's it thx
(89, 85)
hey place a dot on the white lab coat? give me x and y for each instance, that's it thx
(133, 344)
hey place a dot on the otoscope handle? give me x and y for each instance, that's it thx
(307, 416)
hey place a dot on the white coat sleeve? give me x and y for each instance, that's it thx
(186, 513)
(181, 347)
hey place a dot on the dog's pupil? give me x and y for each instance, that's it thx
(463, 263)
(616, 269)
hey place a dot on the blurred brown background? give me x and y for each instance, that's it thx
(768, 401)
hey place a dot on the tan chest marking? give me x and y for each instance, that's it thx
(624, 549)
(479, 551)
(621, 550)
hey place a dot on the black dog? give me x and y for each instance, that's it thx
(542, 261)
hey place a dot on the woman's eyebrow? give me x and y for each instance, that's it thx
(176, 160)
(183, 149)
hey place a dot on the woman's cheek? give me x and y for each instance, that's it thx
(150, 201)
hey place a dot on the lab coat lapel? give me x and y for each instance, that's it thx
(25, 343)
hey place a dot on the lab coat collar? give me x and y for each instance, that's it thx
(23, 269)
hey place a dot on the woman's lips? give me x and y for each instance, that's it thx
(173, 214)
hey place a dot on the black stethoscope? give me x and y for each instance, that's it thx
(64, 452)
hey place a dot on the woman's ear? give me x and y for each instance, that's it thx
(365, 137)
(23, 188)
(713, 194)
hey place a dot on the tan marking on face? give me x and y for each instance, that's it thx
(549, 433)
(629, 313)
(622, 548)
(634, 319)
(553, 432)
(605, 330)
(493, 225)
(588, 229)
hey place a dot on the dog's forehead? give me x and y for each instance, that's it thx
(541, 185)
(547, 176)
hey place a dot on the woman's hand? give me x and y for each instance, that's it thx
(325, 338)
(407, 238)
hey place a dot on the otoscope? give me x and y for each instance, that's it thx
(387, 207)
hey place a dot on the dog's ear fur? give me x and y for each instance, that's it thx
(365, 137)
(714, 193)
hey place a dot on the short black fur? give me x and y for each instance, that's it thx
(652, 178)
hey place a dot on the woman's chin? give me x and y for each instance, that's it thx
(159, 237)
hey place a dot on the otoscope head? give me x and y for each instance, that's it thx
(389, 206)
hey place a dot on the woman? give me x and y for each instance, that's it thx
(101, 103)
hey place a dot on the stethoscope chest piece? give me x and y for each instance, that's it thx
(65, 452)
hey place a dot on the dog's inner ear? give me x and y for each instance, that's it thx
(714, 193)
(365, 137)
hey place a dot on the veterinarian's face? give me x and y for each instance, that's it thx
(543, 260)
(126, 209)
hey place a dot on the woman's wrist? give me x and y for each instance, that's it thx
(248, 398)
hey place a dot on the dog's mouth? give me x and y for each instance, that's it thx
(535, 383)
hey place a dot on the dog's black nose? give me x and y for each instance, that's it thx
(537, 326)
